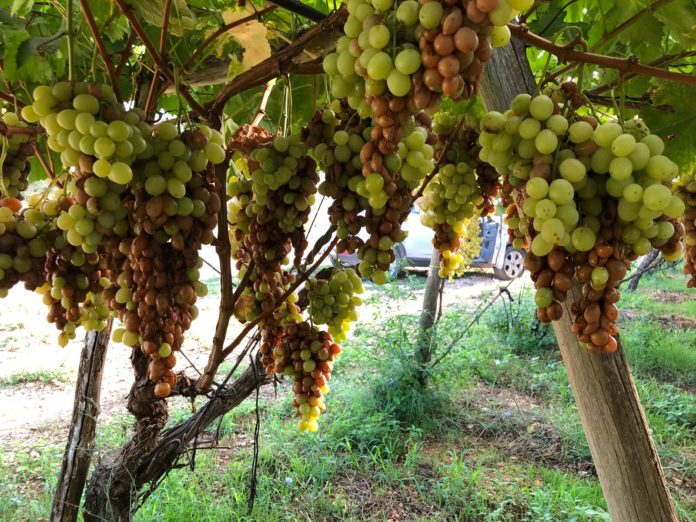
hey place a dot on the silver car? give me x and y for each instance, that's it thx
(416, 250)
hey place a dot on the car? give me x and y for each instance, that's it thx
(416, 250)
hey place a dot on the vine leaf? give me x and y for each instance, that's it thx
(13, 38)
(674, 121)
(21, 7)
(252, 36)
(181, 18)
(680, 18)
(37, 172)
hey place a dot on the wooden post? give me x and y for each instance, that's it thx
(428, 316)
(80, 445)
(617, 431)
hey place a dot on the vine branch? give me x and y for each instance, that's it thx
(282, 61)
(664, 60)
(625, 65)
(91, 22)
(160, 62)
(261, 113)
(218, 355)
(162, 52)
(11, 98)
(611, 34)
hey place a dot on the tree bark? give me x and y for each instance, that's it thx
(80, 445)
(617, 431)
(428, 317)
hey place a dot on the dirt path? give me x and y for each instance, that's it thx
(28, 349)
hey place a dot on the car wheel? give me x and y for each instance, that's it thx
(513, 264)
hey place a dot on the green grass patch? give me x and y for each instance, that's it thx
(40, 376)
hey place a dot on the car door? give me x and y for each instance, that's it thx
(489, 231)
(419, 241)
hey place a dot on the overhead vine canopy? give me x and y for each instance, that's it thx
(159, 126)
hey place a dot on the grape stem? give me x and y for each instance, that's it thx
(124, 54)
(96, 34)
(442, 157)
(566, 53)
(70, 32)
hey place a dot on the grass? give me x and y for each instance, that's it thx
(495, 438)
(40, 376)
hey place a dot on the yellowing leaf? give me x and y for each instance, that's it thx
(251, 35)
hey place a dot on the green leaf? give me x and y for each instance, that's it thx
(680, 18)
(21, 7)
(673, 118)
(181, 18)
(37, 172)
(13, 38)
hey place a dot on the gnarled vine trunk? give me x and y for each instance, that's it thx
(617, 431)
(113, 485)
(118, 481)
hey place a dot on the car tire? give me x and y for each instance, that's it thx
(396, 270)
(513, 264)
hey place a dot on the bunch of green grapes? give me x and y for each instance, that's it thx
(155, 272)
(337, 137)
(452, 197)
(287, 313)
(94, 211)
(454, 262)
(306, 354)
(687, 192)
(449, 201)
(89, 128)
(174, 201)
(15, 150)
(155, 295)
(25, 236)
(387, 185)
(333, 301)
(406, 48)
(274, 193)
(455, 40)
(590, 197)
(73, 290)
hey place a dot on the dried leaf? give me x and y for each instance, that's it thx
(251, 35)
